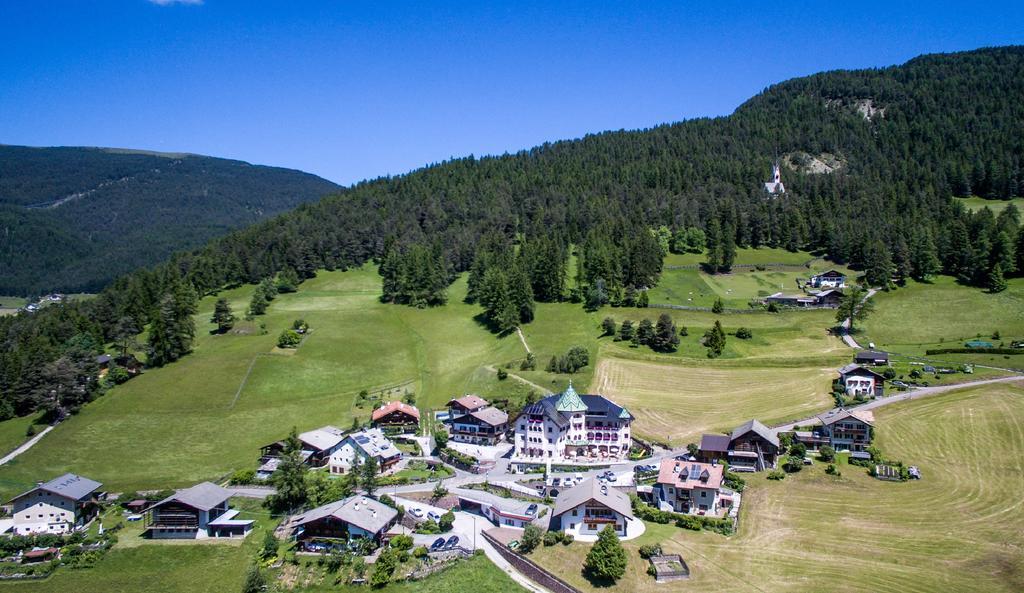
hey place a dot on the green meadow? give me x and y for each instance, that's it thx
(996, 206)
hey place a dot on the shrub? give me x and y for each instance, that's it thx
(420, 552)
(827, 453)
(733, 481)
(401, 542)
(552, 537)
(531, 539)
(606, 560)
(718, 307)
(243, 476)
(832, 471)
(744, 333)
(289, 338)
(650, 550)
(776, 474)
(567, 538)
(502, 374)
(118, 375)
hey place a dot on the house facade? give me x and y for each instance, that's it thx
(860, 381)
(355, 517)
(691, 488)
(396, 415)
(572, 427)
(62, 505)
(473, 420)
(361, 446)
(829, 279)
(199, 512)
(586, 509)
(848, 430)
(750, 447)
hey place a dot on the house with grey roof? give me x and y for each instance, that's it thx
(359, 446)
(350, 518)
(503, 512)
(198, 512)
(317, 445)
(62, 505)
(586, 509)
(751, 446)
(569, 427)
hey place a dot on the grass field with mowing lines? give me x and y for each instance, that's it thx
(944, 314)
(694, 288)
(961, 528)
(678, 403)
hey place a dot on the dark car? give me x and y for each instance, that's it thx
(452, 542)
(531, 510)
(437, 545)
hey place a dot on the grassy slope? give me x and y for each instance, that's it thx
(945, 314)
(996, 206)
(958, 529)
(180, 424)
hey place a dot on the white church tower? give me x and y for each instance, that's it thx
(775, 186)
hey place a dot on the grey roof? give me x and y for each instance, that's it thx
(203, 496)
(361, 511)
(323, 438)
(761, 430)
(506, 505)
(69, 485)
(718, 443)
(872, 354)
(857, 369)
(490, 416)
(593, 490)
(373, 443)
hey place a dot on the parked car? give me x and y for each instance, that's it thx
(416, 512)
(452, 542)
(808, 461)
(898, 384)
(567, 483)
(531, 510)
(555, 482)
(134, 517)
(610, 477)
(437, 545)
(914, 472)
(433, 516)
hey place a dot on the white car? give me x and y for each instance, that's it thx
(418, 513)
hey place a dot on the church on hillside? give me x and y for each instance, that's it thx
(775, 187)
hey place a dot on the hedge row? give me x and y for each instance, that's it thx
(934, 351)
(694, 522)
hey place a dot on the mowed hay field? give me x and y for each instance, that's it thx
(961, 528)
(207, 415)
(677, 403)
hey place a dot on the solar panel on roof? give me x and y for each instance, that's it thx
(362, 440)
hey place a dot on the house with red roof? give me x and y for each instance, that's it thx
(691, 487)
(395, 414)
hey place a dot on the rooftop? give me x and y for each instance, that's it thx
(592, 490)
(323, 438)
(760, 429)
(203, 496)
(470, 402)
(361, 511)
(491, 416)
(69, 485)
(390, 407)
(690, 474)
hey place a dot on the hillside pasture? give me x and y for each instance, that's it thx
(960, 528)
(944, 314)
(996, 206)
(207, 415)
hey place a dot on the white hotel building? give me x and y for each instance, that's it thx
(568, 427)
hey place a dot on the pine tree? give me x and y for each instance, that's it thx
(714, 243)
(521, 293)
(606, 560)
(290, 478)
(626, 331)
(645, 332)
(222, 316)
(258, 303)
(125, 335)
(714, 340)
(368, 476)
(254, 580)
(608, 326)
(877, 264)
(996, 281)
(666, 338)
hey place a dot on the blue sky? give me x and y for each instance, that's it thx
(354, 90)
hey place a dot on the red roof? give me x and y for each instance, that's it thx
(686, 474)
(393, 406)
(470, 402)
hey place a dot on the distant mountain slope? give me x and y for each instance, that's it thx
(72, 219)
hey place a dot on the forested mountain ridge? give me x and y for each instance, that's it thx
(907, 138)
(73, 219)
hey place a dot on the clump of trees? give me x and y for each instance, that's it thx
(575, 359)
(854, 306)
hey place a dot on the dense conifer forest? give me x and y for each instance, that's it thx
(73, 219)
(872, 162)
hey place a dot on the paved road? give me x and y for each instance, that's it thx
(25, 446)
(915, 393)
(251, 491)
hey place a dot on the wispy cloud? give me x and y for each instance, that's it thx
(170, 2)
